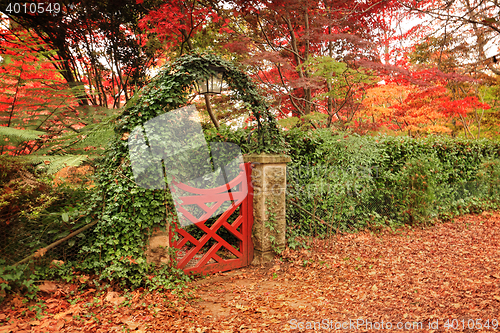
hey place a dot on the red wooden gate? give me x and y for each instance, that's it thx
(193, 259)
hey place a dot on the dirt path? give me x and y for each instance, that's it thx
(423, 278)
(450, 271)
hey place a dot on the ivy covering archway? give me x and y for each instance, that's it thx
(126, 213)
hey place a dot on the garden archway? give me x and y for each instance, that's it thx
(127, 214)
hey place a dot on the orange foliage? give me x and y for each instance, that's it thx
(416, 109)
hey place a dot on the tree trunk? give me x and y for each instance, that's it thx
(329, 81)
(308, 107)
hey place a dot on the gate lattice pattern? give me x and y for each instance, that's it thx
(241, 195)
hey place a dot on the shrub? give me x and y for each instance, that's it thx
(351, 182)
(488, 178)
(34, 213)
(414, 189)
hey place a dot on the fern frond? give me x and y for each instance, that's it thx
(92, 135)
(55, 163)
(18, 134)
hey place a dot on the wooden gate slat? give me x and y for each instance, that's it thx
(243, 199)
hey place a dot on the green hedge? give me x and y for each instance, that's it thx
(351, 182)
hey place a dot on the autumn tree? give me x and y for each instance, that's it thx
(183, 26)
(96, 44)
(410, 109)
(420, 110)
(377, 106)
(186, 26)
(39, 112)
(34, 97)
(470, 28)
(446, 63)
(279, 36)
(341, 89)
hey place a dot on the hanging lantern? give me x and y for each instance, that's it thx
(212, 84)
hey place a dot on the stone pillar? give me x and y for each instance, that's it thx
(269, 205)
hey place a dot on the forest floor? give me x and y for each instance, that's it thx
(440, 278)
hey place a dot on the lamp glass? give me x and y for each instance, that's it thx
(212, 85)
(202, 86)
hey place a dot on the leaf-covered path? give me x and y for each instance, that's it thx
(421, 278)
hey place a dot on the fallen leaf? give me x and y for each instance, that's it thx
(8, 328)
(114, 298)
(241, 307)
(23, 326)
(132, 324)
(17, 301)
(48, 287)
(57, 263)
(41, 252)
(83, 278)
(59, 325)
(142, 329)
(52, 303)
(74, 309)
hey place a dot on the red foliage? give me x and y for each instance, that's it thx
(33, 95)
(175, 22)
(281, 35)
(461, 106)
